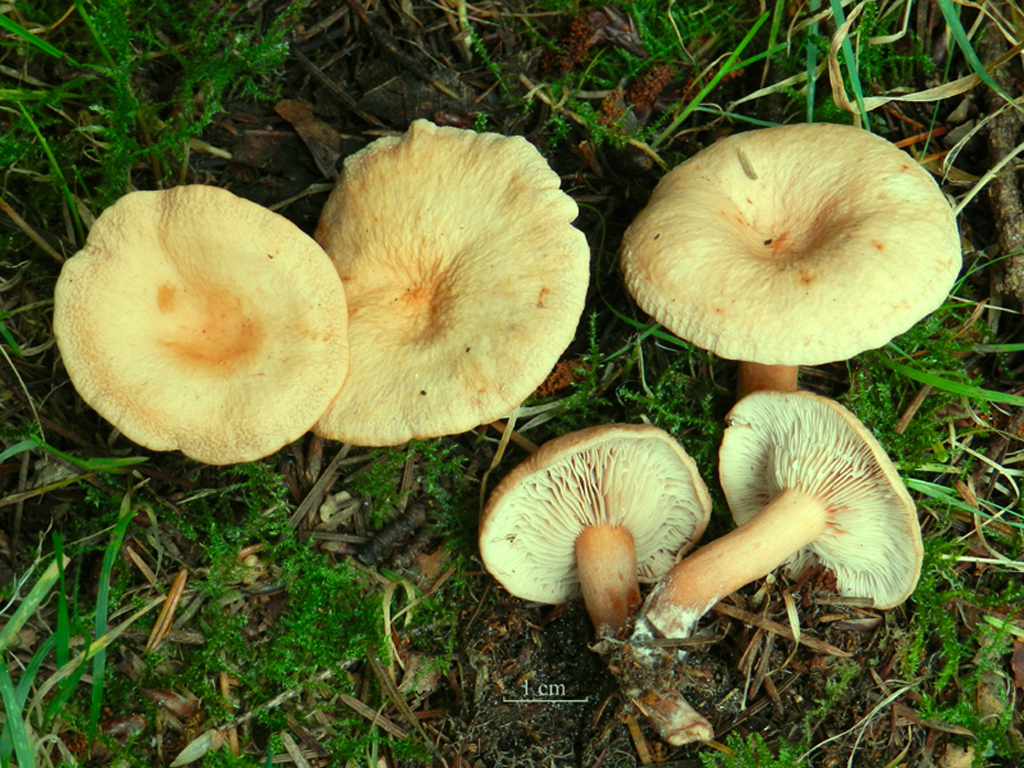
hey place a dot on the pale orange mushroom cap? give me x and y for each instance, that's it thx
(465, 281)
(195, 320)
(797, 245)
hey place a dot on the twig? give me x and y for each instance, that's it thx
(334, 88)
(1003, 191)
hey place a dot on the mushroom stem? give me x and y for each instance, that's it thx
(606, 563)
(754, 377)
(677, 722)
(792, 520)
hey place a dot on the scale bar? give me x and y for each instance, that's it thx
(545, 701)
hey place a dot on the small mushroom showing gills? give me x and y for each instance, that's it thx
(594, 511)
(797, 245)
(196, 320)
(806, 482)
(465, 281)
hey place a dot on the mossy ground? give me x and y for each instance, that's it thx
(279, 617)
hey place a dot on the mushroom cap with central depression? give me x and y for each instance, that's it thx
(797, 245)
(464, 276)
(628, 476)
(195, 320)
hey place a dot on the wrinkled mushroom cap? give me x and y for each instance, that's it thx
(796, 245)
(632, 476)
(777, 441)
(464, 276)
(195, 320)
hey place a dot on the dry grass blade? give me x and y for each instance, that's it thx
(225, 691)
(835, 74)
(643, 752)
(141, 564)
(207, 741)
(753, 619)
(293, 750)
(34, 236)
(860, 727)
(794, 624)
(166, 617)
(372, 715)
(316, 495)
(516, 437)
(387, 683)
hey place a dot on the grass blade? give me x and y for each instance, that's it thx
(948, 385)
(58, 174)
(31, 603)
(6, 333)
(727, 67)
(20, 447)
(102, 610)
(38, 43)
(19, 736)
(951, 13)
(811, 62)
(63, 634)
(75, 667)
(851, 63)
(943, 494)
(997, 348)
(14, 709)
(93, 465)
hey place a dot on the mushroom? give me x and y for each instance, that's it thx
(594, 511)
(197, 320)
(806, 482)
(797, 245)
(464, 276)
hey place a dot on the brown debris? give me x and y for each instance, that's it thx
(593, 26)
(324, 142)
(565, 374)
(645, 91)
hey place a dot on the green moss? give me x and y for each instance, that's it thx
(204, 53)
(752, 752)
